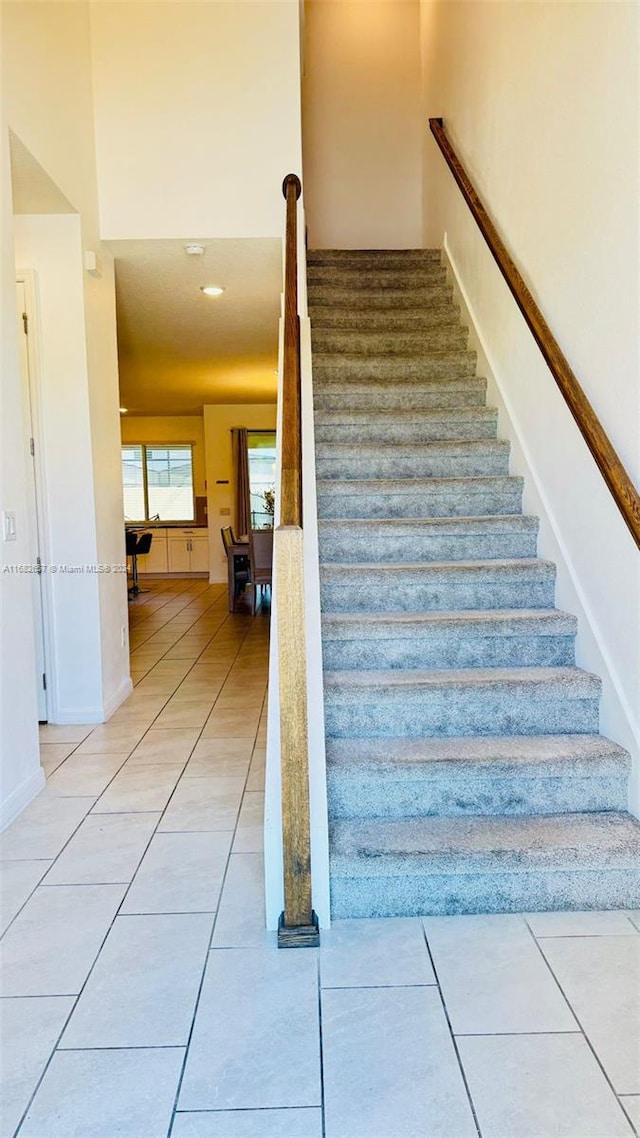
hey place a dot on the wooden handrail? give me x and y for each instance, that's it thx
(614, 473)
(298, 925)
(291, 485)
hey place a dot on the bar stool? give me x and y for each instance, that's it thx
(137, 546)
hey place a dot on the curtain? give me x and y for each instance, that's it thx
(242, 502)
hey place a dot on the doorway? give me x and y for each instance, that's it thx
(35, 501)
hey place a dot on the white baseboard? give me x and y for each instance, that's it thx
(21, 797)
(68, 716)
(118, 697)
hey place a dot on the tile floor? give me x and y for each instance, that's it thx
(143, 998)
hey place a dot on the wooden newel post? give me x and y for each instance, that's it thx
(298, 925)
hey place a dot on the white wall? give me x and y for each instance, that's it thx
(541, 101)
(218, 422)
(47, 102)
(362, 127)
(197, 115)
(170, 429)
(21, 775)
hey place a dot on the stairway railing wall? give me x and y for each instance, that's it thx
(280, 858)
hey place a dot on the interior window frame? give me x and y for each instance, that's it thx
(163, 445)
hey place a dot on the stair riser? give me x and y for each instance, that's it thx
(371, 428)
(449, 365)
(432, 296)
(400, 397)
(372, 258)
(353, 279)
(455, 651)
(445, 315)
(424, 503)
(437, 339)
(406, 546)
(456, 712)
(488, 461)
(444, 793)
(442, 895)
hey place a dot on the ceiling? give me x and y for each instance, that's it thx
(179, 349)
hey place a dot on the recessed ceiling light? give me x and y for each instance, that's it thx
(211, 290)
(194, 250)
(123, 410)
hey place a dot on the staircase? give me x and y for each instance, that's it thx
(465, 769)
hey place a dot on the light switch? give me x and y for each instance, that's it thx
(224, 511)
(9, 525)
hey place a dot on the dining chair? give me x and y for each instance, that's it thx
(238, 567)
(261, 561)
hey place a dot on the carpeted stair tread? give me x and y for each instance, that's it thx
(518, 755)
(419, 497)
(376, 848)
(362, 256)
(375, 342)
(383, 587)
(466, 638)
(494, 622)
(377, 277)
(468, 458)
(440, 315)
(405, 397)
(573, 682)
(435, 361)
(403, 424)
(391, 299)
(391, 540)
(472, 776)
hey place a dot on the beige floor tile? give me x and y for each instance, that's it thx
(59, 751)
(43, 828)
(164, 744)
(300, 1122)
(30, 1029)
(204, 804)
(18, 879)
(231, 724)
(534, 1085)
(600, 977)
(61, 733)
(197, 690)
(258, 1013)
(84, 775)
(493, 977)
(186, 713)
(128, 1093)
(120, 737)
(140, 788)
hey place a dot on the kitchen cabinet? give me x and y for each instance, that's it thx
(177, 550)
(200, 551)
(188, 550)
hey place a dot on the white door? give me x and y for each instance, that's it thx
(35, 516)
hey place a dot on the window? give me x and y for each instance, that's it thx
(262, 475)
(158, 482)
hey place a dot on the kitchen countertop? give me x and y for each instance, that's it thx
(166, 525)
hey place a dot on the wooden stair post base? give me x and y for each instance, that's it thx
(299, 936)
